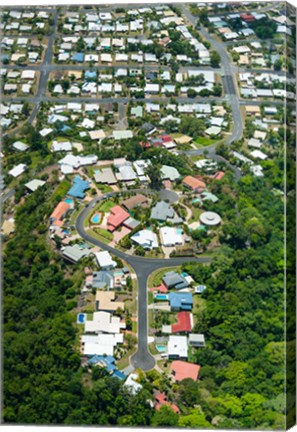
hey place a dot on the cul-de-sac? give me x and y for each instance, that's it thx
(143, 194)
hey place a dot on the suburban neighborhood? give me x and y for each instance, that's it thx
(138, 143)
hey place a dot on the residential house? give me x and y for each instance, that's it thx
(182, 370)
(194, 184)
(105, 301)
(173, 280)
(105, 260)
(171, 236)
(146, 239)
(180, 301)
(177, 347)
(59, 213)
(197, 340)
(116, 218)
(135, 201)
(78, 188)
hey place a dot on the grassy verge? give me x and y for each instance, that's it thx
(124, 361)
(104, 233)
(152, 349)
(98, 236)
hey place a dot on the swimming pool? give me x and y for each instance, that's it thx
(161, 348)
(81, 318)
(68, 201)
(161, 296)
(179, 231)
(96, 218)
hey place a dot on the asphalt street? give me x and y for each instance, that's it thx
(142, 267)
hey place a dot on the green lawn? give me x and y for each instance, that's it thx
(62, 189)
(104, 233)
(196, 212)
(204, 142)
(104, 188)
(106, 206)
(98, 236)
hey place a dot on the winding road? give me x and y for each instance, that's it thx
(142, 267)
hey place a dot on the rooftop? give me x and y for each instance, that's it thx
(182, 370)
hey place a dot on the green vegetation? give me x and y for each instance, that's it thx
(204, 141)
(43, 379)
(104, 233)
(106, 206)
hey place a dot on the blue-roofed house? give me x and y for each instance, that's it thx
(108, 363)
(78, 57)
(180, 301)
(118, 374)
(90, 75)
(78, 188)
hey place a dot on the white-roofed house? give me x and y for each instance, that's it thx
(105, 261)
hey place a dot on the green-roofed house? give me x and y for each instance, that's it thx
(208, 196)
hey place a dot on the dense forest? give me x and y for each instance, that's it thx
(242, 367)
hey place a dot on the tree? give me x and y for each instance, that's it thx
(153, 171)
(215, 59)
(165, 417)
(194, 420)
(278, 64)
(191, 93)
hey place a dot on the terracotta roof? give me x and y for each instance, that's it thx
(182, 370)
(193, 183)
(59, 212)
(183, 323)
(160, 399)
(160, 288)
(117, 216)
(219, 175)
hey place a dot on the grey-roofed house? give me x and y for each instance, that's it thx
(103, 279)
(174, 280)
(169, 173)
(105, 176)
(148, 128)
(196, 340)
(163, 212)
(75, 253)
(131, 223)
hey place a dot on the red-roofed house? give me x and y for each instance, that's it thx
(166, 138)
(160, 288)
(116, 218)
(247, 17)
(184, 323)
(219, 175)
(160, 400)
(194, 184)
(182, 370)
